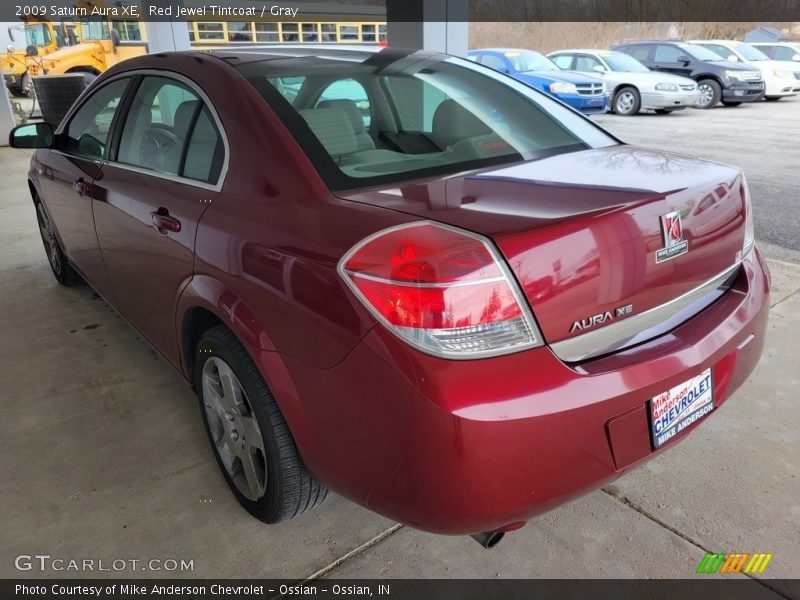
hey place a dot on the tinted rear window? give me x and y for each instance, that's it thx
(397, 117)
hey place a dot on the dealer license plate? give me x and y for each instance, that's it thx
(674, 410)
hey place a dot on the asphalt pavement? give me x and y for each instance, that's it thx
(762, 138)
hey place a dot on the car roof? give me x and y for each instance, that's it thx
(637, 42)
(723, 42)
(244, 54)
(587, 51)
(503, 50)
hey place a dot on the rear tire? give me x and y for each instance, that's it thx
(664, 111)
(627, 101)
(710, 94)
(249, 436)
(772, 98)
(62, 270)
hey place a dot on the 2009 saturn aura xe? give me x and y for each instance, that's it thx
(458, 303)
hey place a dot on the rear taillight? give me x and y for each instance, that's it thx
(442, 290)
(749, 228)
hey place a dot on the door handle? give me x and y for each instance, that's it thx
(82, 187)
(163, 222)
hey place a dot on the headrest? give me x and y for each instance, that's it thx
(452, 123)
(349, 107)
(183, 118)
(333, 128)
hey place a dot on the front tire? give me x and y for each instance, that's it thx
(664, 111)
(251, 441)
(710, 94)
(772, 98)
(730, 104)
(62, 270)
(627, 101)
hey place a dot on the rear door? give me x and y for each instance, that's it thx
(164, 171)
(69, 177)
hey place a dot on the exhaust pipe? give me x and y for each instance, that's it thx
(488, 539)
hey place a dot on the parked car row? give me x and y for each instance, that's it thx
(662, 76)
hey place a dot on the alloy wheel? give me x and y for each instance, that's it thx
(706, 94)
(49, 239)
(625, 102)
(234, 429)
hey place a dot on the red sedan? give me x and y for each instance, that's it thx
(403, 276)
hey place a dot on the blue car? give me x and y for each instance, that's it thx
(581, 92)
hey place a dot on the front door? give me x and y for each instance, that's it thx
(162, 176)
(69, 177)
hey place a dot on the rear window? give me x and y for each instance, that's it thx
(394, 117)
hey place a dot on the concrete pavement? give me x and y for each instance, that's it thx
(103, 456)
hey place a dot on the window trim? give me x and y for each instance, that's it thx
(136, 77)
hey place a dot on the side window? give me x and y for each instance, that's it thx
(563, 61)
(157, 124)
(205, 152)
(668, 54)
(640, 53)
(586, 63)
(87, 132)
(783, 53)
(494, 62)
(350, 90)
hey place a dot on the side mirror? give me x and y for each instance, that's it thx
(89, 145)
(733, 58)
(599, 69)
(684, 60)
(31, 135)
(796, 57)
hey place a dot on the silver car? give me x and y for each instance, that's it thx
(632, 86)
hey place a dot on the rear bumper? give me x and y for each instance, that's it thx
(669, 99)
(460, 447)
(588, 105)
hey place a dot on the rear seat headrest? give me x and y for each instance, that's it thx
(452, 123)
(333, 128)
(350, 108)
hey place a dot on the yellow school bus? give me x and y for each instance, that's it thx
(103, 44)
(42, 37)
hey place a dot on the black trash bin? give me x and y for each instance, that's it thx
(57, 93)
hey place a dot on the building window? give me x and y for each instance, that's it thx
(368, 33)
(239, 31)
(348, 33)
(328, 32)
(310, 32)
(267, 32)
(128, 31)
(210, 31)
(290, 32)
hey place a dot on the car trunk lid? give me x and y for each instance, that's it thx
(593, 237)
